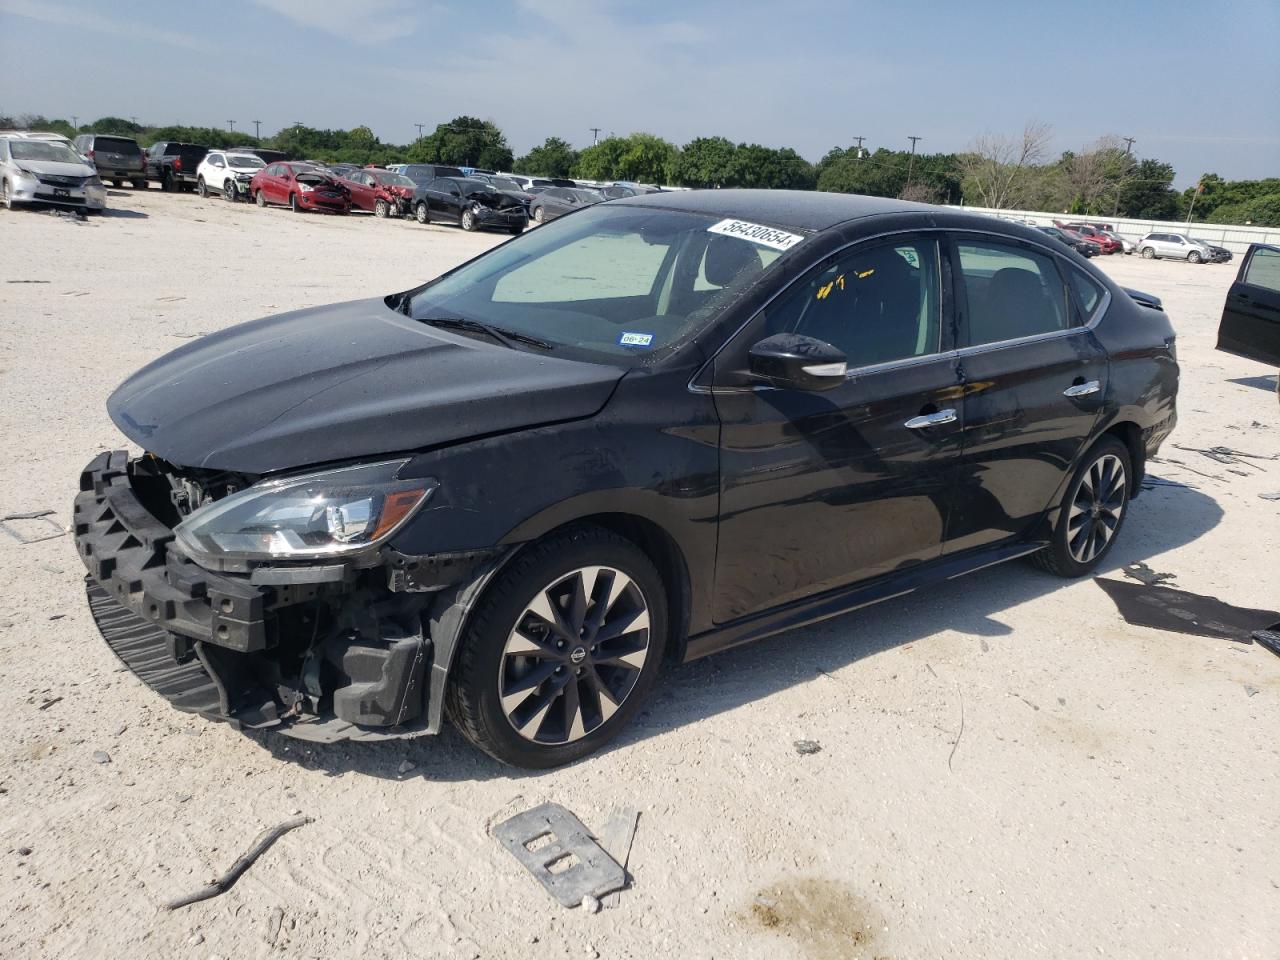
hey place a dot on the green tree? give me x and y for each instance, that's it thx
(707, 162)
(114, 125)
(464, 141)
(1147, 192)
(554, 158)
(641, 157)
(770, 168)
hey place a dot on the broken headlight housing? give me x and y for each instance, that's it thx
(317, 516)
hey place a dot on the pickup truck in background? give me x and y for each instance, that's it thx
(174, 164)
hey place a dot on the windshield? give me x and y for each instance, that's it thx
(502, 183)
(43, 150)
(612, 282)
(245, 163)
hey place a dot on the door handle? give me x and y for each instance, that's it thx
(931, 419)
(1082, 389)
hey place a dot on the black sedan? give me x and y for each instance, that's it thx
(555, 202)
(472, 204)
(659, 428)
(1077, 242)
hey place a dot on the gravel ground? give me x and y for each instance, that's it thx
(1112, 792)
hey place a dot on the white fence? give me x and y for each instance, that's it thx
(1234, 238)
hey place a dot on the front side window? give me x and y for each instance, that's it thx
(1011, 292)
(877, 304)
(619, 283)
(1264, 269)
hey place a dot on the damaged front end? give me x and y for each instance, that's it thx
(274, 603)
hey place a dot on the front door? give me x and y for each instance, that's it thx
(1035, 379)
(819, 490)
(1251, 316)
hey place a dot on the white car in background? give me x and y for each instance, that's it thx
(227, 172)
(48, 171)
(1175, 246)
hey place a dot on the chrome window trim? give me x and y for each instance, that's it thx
(1055, 255)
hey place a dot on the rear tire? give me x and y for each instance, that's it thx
(202, 190)
(1148, 253)
(167, 183)
(592, 582)
(139, 184)
(117, 184)
(1091, 513)
(420, 213)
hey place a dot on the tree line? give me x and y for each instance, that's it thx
(1103, 179)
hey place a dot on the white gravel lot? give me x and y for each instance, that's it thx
(1114, 791)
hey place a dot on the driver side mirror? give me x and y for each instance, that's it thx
(794, 362)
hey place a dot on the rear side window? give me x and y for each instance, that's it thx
(877, 304)
(1087, 292)
(1011, 292)
(1264, 269)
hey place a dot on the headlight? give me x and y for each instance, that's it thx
(305, 187)
(320, 515)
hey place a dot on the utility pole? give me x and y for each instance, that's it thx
(135, 120)
(595, 135)
(858, 155)
(1191, 209)
(420, 127)
(232, 125)
(257, 129)
(911, 160)
(1128, 152)
(75, 122)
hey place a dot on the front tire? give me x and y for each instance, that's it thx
(260, 199)
(1148, 253)
(202, 190)
(293, 203)
(539, 215)
(229, 192)
(1194, 257)
(468, 221)
(420, 213)
(6, 200)
(1091, 512)
(561, 650)
(381, 209)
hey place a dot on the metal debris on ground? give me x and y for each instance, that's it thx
(1178, 611)
(50, 702)
(225, 882)
(617, 836)
(1228, 455)
(1250, 691)
(1269, 638)
(101, 756)
(1270, 496)
(1144, 574)
(553, 845)
(807, 747)
(45, 529)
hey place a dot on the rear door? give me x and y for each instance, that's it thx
(1250, 324)
(1034, 379)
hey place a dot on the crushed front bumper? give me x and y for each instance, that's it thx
(322, 652)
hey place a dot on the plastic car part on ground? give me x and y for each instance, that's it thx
(570, 864)
(1177, 611)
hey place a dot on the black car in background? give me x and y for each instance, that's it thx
(472, 204)
(266, 156)
(552, 202)
(174, 163)
(659, 428)
(116, 158)
(421, 173)
(1075, 241)
(1250, 324)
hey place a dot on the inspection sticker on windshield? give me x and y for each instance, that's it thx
(635, 340)
(754, 232)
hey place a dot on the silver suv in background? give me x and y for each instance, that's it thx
(47, 171)
(1175, 246)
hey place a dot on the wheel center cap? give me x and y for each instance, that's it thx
(1095, 510)
(578, 655)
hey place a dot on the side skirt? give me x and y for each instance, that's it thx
(833, 603)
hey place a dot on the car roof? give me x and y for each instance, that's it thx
(796, 209)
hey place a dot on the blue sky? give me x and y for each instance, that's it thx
(1197, 84)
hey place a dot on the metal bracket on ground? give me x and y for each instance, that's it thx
(557, 849)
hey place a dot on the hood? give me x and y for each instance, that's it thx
(342, 382)
(498, 201)
(56, 168)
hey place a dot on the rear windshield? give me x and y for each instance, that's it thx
(115, 145)
(43, 150)
(391, 179)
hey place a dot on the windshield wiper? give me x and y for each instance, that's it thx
(508, 338)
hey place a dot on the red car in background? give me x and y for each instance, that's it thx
(299, 186)
(386, 193)
(1094, 234)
